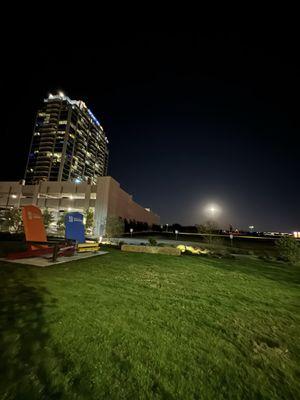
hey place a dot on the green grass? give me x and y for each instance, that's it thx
(137, 326)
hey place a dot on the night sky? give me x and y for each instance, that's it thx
(191, 118)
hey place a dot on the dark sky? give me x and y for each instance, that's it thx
(191, 118)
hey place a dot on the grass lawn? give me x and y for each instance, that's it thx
(137, 326)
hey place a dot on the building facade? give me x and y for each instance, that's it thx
(68, 143)
(105, 198)
(67, 169)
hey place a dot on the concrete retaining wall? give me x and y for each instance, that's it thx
(172, 251)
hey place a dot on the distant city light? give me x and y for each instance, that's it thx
(61, 94)
(296, 235)
(13, 196)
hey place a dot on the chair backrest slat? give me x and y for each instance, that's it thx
(33, 224)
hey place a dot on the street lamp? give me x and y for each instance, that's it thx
(131, 230)
(176, 233)
(167, 225)
(251, 227)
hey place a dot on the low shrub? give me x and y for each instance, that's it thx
(236, 250)
(224, 253)
(267, 257)
(288, 249)
(152, 241)
(189, 253)
(194, 251)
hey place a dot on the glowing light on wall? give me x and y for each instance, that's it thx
(93, 117)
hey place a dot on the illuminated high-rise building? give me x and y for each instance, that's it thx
(68, 143)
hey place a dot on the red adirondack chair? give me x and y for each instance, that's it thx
(36, 238)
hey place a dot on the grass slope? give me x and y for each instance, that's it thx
(137, 326)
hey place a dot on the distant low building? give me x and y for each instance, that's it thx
(277, 233)
(105, 198)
